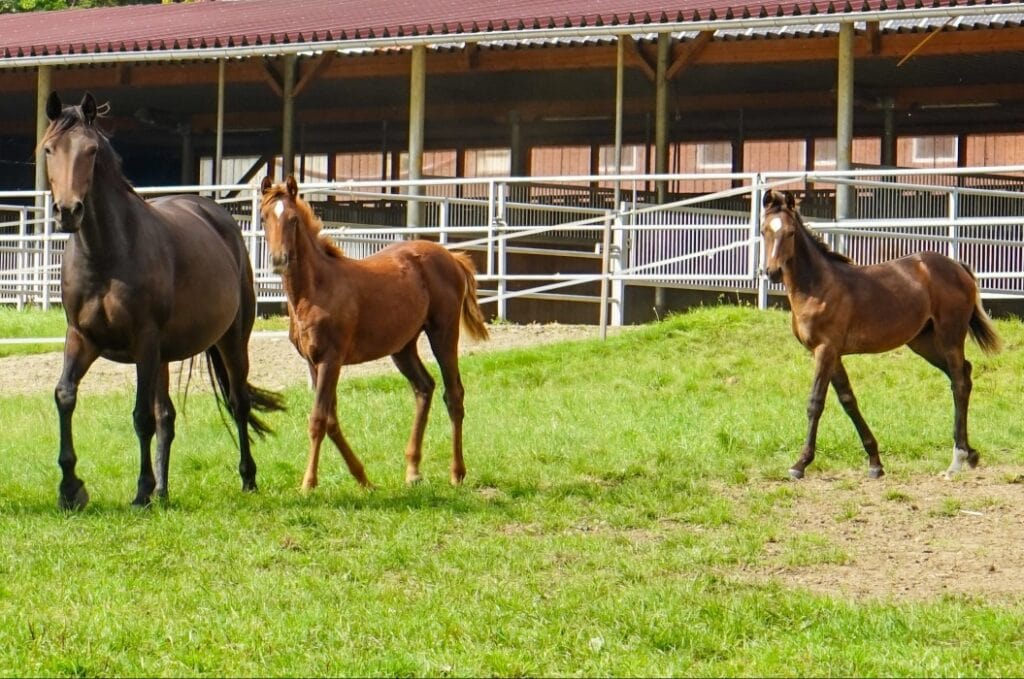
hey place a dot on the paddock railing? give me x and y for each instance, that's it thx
(584, 239)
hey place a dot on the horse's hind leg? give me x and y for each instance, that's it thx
(409, 364)
(165, 416)
(444, 342)
(951, 361)
(79, 355)
(841, 384)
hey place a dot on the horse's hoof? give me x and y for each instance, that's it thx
(249, 487)
(74, 503)
(973, 458)
(947, 475)
(796, 474)
(142, 502)
(875, 472)
(413, 479)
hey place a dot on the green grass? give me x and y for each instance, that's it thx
(605, 527)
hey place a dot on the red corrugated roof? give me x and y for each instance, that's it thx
(232, 23)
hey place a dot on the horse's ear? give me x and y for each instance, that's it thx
(88, 107)
(790, 200)
(293, 188)
(773, 199)
(266, 184)
(53, 106)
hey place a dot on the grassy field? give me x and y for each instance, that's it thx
(604, 528)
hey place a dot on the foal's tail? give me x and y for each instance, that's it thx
(472, 315)
(981, 328)
(261, 399)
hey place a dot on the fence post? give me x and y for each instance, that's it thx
(20, 263)
(501, 223)
(254, 229)
(492, 211)
(606, 245)
(954, 229)
(755, 243)
(442, 221)
(47, 235)
(619, 260)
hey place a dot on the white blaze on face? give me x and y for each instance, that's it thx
(279, 208)
(775, 225)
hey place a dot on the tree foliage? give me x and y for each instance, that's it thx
(10, 6)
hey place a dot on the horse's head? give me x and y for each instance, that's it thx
(778, 229)
(71, 144)
(282, 219)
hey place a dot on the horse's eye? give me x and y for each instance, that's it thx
(48, 150)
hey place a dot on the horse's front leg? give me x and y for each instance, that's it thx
(841, 383)
(824, 364)
(79, 355)
(323, 421)
(147, 371)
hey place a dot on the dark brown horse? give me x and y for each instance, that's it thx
(145, 283)
(927, 301)
(345, 311)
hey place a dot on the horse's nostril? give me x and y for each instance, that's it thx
(76, 208)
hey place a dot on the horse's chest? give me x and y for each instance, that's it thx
(106, 319)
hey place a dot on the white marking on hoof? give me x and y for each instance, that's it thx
(959, 457)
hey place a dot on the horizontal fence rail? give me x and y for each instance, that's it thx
(566, 239)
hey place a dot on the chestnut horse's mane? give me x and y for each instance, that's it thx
(309, 220)
(779, 205)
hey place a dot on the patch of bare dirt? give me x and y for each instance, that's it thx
(274, 362)
(904, 539)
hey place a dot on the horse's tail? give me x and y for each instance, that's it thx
(261, 400)
(472, 315)
(981, 328)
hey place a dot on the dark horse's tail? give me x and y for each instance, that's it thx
(472, 315)
(261, 399)
(980, 327)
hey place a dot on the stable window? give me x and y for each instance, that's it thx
(714, 157)
(932, 150)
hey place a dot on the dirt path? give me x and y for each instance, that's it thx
(902, 539)
(275, 363)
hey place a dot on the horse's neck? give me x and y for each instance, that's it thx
(106, 230)
(809, 268)
(303, 278)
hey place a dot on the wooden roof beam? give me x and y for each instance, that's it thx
(311, 72)
(688, 53)
(638, 57)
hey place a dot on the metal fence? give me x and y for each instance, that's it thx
(709, 241)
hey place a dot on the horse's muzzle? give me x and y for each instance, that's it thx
(69, 217)
(774, 274)
(279, 262)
